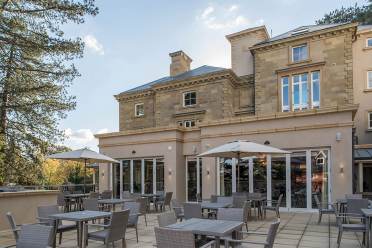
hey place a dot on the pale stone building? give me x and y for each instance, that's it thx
(296, 91)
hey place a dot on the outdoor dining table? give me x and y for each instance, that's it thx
(80, 217)
(207, 227)
(113, 202)
(214, 205)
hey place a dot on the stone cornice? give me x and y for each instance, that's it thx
(297, 67)
(234, 120)
(351, 27)
(187, 113)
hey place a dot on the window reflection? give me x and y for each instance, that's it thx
(225, 176)
(298, 180)
(278, 181)
(319, 176)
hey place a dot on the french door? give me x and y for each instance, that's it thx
(193, 178)
(297, 176)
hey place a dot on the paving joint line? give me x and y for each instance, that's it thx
(302, 235)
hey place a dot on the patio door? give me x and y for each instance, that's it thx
(193, 177)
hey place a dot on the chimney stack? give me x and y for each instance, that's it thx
(180, 63)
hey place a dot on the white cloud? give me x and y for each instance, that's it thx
(93, 44)
(80, 138)
(223, 17)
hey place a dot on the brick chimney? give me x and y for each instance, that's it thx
(180, 63)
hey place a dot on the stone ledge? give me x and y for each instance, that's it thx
(28, 193)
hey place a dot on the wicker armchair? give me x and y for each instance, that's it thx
(178, 209)
(192, 210)
(166, 219)
(323, 208)
(134, 211)
(143, 207)
(13, 226)
(163, 203)
(107, 194)
(170, 238)
(35, 236)
(113, 231)
(275, 205)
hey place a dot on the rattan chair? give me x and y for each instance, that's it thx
(44, 213)
(355, 220)
(13, 226)
(275, 205)
(234, 214)
(192, 210)
(178, 209)
(213, 198)
(323, 208)
(134, 210)
(35, 236)
(91, 204)
(166, 219)
(113, 231)
(143, 207)
(247, 212)
(93, 195)
(170, 238)
(268, 243)
(163, 203)
(107, 194)
(239, 200)
(62, 202)
(127, 194)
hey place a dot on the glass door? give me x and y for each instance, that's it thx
(193, 178)
(242, 174)
(159, 174)
(259, 175)
(298, 180)
(226, 176)
(148, 177)
(116, 180)
(126, 175)
(319, 176)
(137, 176)
(278, 179)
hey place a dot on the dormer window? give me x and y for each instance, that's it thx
(369, 42)
(189, 98)
(139, 110)
(299, 53)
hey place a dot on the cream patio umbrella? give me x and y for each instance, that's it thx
(241, 148)
(84, 155)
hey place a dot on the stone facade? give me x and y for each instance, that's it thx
(329, 51)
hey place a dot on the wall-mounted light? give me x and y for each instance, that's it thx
(267, 142)
(208, 172)
(342, 170)
(169, 172)
(338, 136)
(133, 152)
(103, 174)
(169, 148)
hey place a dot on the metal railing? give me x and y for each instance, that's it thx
(65, 187)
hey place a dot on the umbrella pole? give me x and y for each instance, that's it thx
(85, 173)
(237, 188)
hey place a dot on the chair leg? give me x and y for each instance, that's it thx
(145, 220)
(246, 226)
(60, 238)
(136, 233)
(320, 217)
(364, 239)
(339, 238)
(278, 214)
(123, 243)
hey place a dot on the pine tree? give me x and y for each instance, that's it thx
(36, 70)
(361, 14)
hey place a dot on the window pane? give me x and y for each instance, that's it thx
(126, 175)
(304, 94)
(296, 92)
(259, 176)
(369, 85)
(149, 176)
(159, 174)
(298, 180)
(299, 53)
(369, 42)
(285, 94)
(191, 180)
(370, 120)
(225, 176)
(315, 89)
(136, 176)
(278, 179)
(242, 173)
(319, 176)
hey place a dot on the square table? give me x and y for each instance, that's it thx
(207, 227)
(80, 217)
(113, 202)
(367, 212)
(214, 205)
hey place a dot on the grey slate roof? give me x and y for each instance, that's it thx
(310, 28)
(205, 69)
(363, 154)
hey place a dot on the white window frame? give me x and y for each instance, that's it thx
(135, 109)
(369, 83)
(367, 40)
(190, 122)
(287, 107)
(183, 99)
(369, 119)
(314, 104)
(307, 53)
(300, 83)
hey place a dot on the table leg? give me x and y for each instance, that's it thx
(80, 233)
(369, 233)
(217, 239)
(83, 232)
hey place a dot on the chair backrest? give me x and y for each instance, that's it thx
(213, 198)
(168, 198)
(177, 207)
(238, 200)
(170, 238)
(198, 197)
(234, 214)
(354, 206)
(246, 209)
(118, 225)
(12, 224)
(35, 236)
(90, 204)
(46, 211)
(107, 194)
(273, 229)
(127, 194)
(192, 210)
(353, 196)
(134, 210)
(225, 199)
(166, 219)
(61, 199)
(143, 204)
(93, 195)
(279, 202)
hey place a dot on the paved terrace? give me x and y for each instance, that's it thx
(296, 230)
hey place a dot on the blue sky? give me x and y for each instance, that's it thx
(128, 42)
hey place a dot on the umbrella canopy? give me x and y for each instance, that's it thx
(84, 155)
(242, 148)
